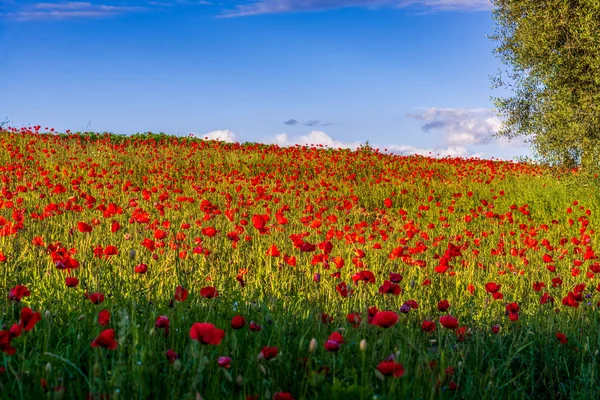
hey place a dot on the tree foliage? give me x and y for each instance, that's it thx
(552, 52)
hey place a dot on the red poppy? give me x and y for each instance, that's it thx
(209, 292)
(106, 340)
(390, 288)
(561, 337)
(141, 269)
(273, 251)
(354, 319)
(449, 322)
(71, 282)
(172, 356)
(269, 353)
(461, 333)
(428, 326)
(18, 292)
(224, 362)
(103, 317)
(254, 327)
(492, 287)
(512, 308)
(15, 330)
(391, 368)
(162, 322)
(95, 298)
(342, 289)
(283, 396)
(5, 347)
(84, 227)
(385, 319)
(206, 333)
(29, 318)
(238, 322)
(181, 293)
(443, 305)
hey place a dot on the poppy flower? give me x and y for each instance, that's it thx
(334, 342)
(561, 337)
(342, 289)
(492, 287)
(395, 277)
(428, 326)
(206, 333)
(103, 317)
(95, 298)
(29, 318)
(495, 329)
(106, 340)
(141, 269)
(238, 322)
(209, 292)
(283, 396)
(162, 322)
(273, 251)
(224, 362)
(71, 282)
(391, 368)
(390, 288)
(181, 293)
(5, 347)
(15, 330)
(461, 333)
(443, 305)
(269, 353)
(354, 319)
(172, 356)
(18, 292)
(254, 327)
(326, 319)
(385, 319)
(449, 322)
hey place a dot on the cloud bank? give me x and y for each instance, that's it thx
(463, 127)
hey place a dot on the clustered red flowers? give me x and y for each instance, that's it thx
(327, 226)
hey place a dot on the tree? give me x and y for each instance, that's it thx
(552, 52)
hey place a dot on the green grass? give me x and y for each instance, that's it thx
(228, 183)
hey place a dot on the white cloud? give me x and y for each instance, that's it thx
(283, 6)
(69, 10)
(451, 151)
(220, 135)
(464, 127)
(314, 138)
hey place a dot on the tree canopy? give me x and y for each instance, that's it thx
(551, 49)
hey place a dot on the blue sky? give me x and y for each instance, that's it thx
(408, 75)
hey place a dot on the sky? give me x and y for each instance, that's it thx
(409, 76)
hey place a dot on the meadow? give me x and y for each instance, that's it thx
(158, 267)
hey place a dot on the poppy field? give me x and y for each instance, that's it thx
(157, 267)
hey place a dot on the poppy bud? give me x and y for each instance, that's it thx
(48, 368)
(48, 316)
(379, 375)
(263, 369)
(239, 380)
(227, 376)
(97, 370)
(363, 345)
(177, 365)
(313, 345)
